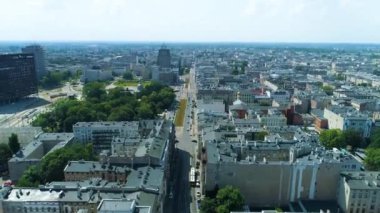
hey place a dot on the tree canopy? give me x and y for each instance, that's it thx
(340, 139)
(375, 139)
(13, 143)
(5, 153)
(116, 104)
(55, 78)
(328, 90)
(372, 160)
(52, 165)
(227, 199)
(128, 75)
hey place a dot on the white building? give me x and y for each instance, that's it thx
(102, 133)
(344, 118)
(359, 192)
(279, 95)
(273, 118)
(96, 75)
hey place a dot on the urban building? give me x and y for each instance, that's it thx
(100, 134)
(39, 59)
(359, 192)
(142, 193)
(32, 154)
(84, 170)
(17, 77)
(164, 57)
(345, 118)
(276, 175)
(95, 75)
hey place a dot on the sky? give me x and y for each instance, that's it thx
(343, 21)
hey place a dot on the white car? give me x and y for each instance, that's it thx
(198, 194)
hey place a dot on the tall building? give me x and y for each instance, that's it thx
(17, 77)
(164, 57)
(39, 58)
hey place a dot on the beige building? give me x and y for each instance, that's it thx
(359, 192)
(266, 183)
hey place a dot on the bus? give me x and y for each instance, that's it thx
(192, 178)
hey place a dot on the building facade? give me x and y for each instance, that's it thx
(39, 58)
(344, 120)
(359, 192)
(164, 57)
(17, 77)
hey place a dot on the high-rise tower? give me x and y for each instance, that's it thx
(39, 58)
(164, 58)
(17, 77)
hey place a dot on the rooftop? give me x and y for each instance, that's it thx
(362, 180)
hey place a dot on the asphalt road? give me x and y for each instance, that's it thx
(183, 196)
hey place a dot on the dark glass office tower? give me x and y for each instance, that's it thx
(164, 58)
(17, 77)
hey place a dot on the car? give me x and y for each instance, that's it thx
(198, 194)
(171, 195)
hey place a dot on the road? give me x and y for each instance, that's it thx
(23, 112)
(183, 200)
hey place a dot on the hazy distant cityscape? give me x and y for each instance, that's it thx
(178, 127)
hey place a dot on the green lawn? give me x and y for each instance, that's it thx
(180, 115)
(130, 83)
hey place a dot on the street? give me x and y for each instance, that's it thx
(183, 196)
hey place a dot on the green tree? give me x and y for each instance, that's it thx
(208, 205)
(5, 153)
(332, 138)
(123, 113)
(372, 159)
(260, 135)
(13, 143)
(94, 92)
(30, 178)
(128, 75)
(222, 209)
(227, 199)
(53, 165)
(328, 90)
(231, 198)
(375, 139)
(117, 104)
(352, 138)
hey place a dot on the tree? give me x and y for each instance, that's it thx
(328, 89)
(372, 160)
(128, 75)
(208, 205)
(5, 154)
(352, 138)
(340, 139)
(99, 105)
(332, 138)
(227, 199)
(53, 165)
(13, 143)
(260, 135)
(30, 178)
(231, 198)
(94, 91)
(375, 139)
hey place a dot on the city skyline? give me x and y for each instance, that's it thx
(299, 21)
